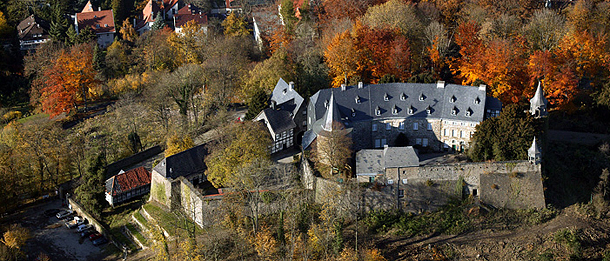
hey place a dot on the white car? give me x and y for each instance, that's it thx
(64, 213)
(82, 228)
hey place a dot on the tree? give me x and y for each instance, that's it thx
(289, 20)
(119, 10)
(90, 193)
(395, 14)
(545, 29)
(128, 33)
(86, 35)
(159, 22)
(265, 74)
(341, 57)
(257, 103)
(69, 80)
(235, 26)
(189, 44)
(182, 86)
(178, 143)
(117, 59)
(241, 144)
(16, 236)
(5, 28)
(99, 58)
(332, 151)
(507, 137)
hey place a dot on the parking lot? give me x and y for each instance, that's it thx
(50, 236)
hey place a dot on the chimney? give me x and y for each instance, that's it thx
(360, 85)
(99, 9)
(482, 87)
(272, 105)
(440, 84)
(134, 23)
(343, 87)
(291, 86)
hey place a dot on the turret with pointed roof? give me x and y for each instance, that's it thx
(331, 115)
(538, 103)
(533, 153)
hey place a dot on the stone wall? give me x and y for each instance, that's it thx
(79, 210)
(160, 189)
(204, 211)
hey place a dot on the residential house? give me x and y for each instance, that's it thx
(32, 32)
(190, 13)
(127, 185)
(170, 8)
(432, 116)
(101, 23)
(148, 17)
(285, 119)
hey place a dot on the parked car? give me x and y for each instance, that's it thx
(51, 212)
(63, 214)
(76, 222)
(84, 227)
(100, 241)
(94, 236)
(87, 232)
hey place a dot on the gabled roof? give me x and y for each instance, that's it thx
(167, 4)
(538, 100)
(189, 13)
(31, 26)
(126, 181)
(88, 7)
(182, 164)
(286, 97)
(276, 120)
(98, 21)
(150, 11)
(375, 161)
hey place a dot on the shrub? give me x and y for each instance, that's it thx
(11, 115)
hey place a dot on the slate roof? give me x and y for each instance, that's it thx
(188, 13)
(126, 181)
(538, 100)
(183, 164)
(277, 120)
(32, 26)
(399, 101)
(375, 161)
(286, 97)
(98, 21)
(533, 150)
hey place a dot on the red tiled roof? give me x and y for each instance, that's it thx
(189, 13)
(129, 180)
(88, 7)
(98, 21)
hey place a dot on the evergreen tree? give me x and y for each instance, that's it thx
(90, 193)
(257, 103)
(99, 58)
(159, 22)
(72, 36)
(86, 35)
(59, 23)
(119, 11)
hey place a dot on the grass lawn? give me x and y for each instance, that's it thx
(173, 223)
(141, 219)
(34, 117)
(136, 233)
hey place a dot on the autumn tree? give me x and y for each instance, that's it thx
(189, 44)
(544, 30)
(332, 151)
(395, 14)
(182, 86)
(177, 143)
(128, 33)
(341, 57)
(69, 81)
(241, 144)
(235, 26)
(13, 239)
(265, 75)
(5, 28)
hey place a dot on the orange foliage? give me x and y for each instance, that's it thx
(341, 57)
(558, 77)
(68, 80)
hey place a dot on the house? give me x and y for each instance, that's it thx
(127, 185)
(32, 32)
(285, 119)
(148, 17)
(170, 8)
(190, 13)
(432, 116)
(101, 23)
(371, 163)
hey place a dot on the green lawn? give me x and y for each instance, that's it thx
(136, 233)
(174, 224)
(34, 117)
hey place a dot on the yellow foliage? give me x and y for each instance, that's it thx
(16, 236)
(265, 244)
(176, 144)
(348, 254)
(11, 115)
(373, 255)
(5, 28)
(131, 82)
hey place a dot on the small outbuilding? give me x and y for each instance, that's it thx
(127, 185)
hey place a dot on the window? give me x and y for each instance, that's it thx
(374, 127)
(353, 112)
(404, 181)
(453, 133)
(461, 134)
(453, 99)
(454, 111)
(357, 99)
(418, 141)
(477, 100)
(388, 126)
(390, 182)
(401, 125)
(422, 97)
(371, 179)
(446, 132)
(403, 97)
(471, 134)
(378, 111)
(411, 110)
(386, 97)
(395, 110)
(425, 142)
(384, 142)
(377, 143)
(429, 126)
(401, 193)
(304, 112)
(415, 127)
(429, 109)
(304, 123)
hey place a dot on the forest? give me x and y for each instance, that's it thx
(166, 88)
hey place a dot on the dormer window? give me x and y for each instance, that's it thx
(357, 99)
(428, 109)
(411, 110)
(353, 112)
(378, 111)
(386, 97)
(395, 110)
(105, 25)
(326, 103)
(284, 91)
(454, 111)
(453, 99)
(403, 97)
(97, 26)
(468, 112)
(422, 97)
(477, 100)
